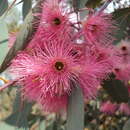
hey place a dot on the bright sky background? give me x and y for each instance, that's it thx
(109, 8)
(19, 7)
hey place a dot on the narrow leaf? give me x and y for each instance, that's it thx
(5, 126)
(3, 6)
(93, 3)
(42, 125)
(27, 5)
(116, 89)
(53, 125)
(127, 125)
(21, 110)
(77, 4)
(75, 114)
(122, 17)
(3, 37)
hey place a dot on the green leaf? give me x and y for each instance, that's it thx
(21, 110)
(3, 36)
(42, 125)
(122, 17)
(93, 3)
(127, 125)
(116, 89)
(5, 126)
(51, 126)
(77, 4)
(3, 6)
(54, 125)
(75, 114)
(27, 5)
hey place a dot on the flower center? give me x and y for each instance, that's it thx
(59, 65)
(117, 69)
(94, 28)
(124, 48)
(57, 21)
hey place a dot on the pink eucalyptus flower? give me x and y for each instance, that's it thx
(122, 72)
(104, 56)
(54, 24)
(123, 51)
(122, 68)
(125, 109)
(46, 74)
(93, 72)
(98, 28)
(55, 103)
(108, 107)
(54, 20)
(103, 52)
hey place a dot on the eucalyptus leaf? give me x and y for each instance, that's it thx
(116, 89)
(127, 125)
(27, 5)
(3, 37)
(93, 3)
(77, 4)
(21, 110)
(3, 6)
(5, 126)
(42, 125)
(122, 17)
(50, 127)
(75, 113)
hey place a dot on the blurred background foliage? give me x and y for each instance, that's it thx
(16, 114)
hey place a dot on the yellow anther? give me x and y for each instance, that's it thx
(4, 80)
(129, 82)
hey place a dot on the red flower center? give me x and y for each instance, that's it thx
(117, 69)
(94, 28)
(124, 48)
(57, 21)
(59, 65)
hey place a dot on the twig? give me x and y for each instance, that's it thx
(10, 7)
(3, 41)
(7, 85)
(104, 6)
